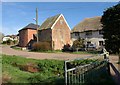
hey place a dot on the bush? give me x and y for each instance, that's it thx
(4, 42)
(15, 41)
(51, 66)
(9, 42)
(41, 46)
(78, 43)
(67, 47)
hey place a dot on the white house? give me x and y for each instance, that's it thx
(7, 38)
(10, 37)
(90, 29)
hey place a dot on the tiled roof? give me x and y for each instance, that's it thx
(88, 24)
(30, 26)
(48, 23)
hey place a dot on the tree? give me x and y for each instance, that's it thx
(111, 28)
(78, 43)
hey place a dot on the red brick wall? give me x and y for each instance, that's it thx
(25, 36)
(30, 34)
(60, 34)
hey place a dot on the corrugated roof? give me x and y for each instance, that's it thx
(88, 24)
(30, 26)
(49, 22)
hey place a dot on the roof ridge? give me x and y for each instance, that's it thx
(48, 23)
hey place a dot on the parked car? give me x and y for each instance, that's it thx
(91, 47)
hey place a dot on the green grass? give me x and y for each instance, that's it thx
(16, 47)
(86, 52)
(47, 67)
(49, 51)
(59, 51)
(48, 71)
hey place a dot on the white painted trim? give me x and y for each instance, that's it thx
(55, 22)
(58, 19)
(66, 21)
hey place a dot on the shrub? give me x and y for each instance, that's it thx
(15, 41)
(67, 47)
(41, 46)
(4, 42)
(78, 43)
(9, 42)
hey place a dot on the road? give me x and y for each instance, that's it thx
(36, 55)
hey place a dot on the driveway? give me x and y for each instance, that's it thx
(36, 55)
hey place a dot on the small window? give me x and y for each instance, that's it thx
(61, 21)
(100, 32)
(101, 43)
(89, 42)
(89, 33)
(77, 34)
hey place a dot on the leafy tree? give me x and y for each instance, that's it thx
(78, 43)
(111, 28)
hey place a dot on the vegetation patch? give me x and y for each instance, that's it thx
(27, 67)
(16, 47)
(17, 69)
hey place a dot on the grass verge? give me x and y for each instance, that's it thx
(49, 71)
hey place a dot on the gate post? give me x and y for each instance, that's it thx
(65, 64)
(106, 58)
(108, 67)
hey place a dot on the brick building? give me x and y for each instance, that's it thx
(26, 35)
(56, 31)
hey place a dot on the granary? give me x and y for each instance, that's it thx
(26, 35)
(56, 31)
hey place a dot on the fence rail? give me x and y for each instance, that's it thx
(82, 74)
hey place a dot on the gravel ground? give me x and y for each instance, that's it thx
(36, 55)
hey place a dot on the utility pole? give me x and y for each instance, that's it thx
(37, 23)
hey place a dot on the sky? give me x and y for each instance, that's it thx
(16, 15)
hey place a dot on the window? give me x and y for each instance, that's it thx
(89, 33)
(100, 32)
(89, 42)
(76, 33)
(61, 21)
(100, 43)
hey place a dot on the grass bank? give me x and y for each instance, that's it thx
(16, 69)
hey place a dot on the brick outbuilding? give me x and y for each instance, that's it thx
(26, 35)
(56, 31)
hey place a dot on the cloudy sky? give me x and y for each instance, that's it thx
(16, 15)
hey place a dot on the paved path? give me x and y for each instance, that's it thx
(35, 55)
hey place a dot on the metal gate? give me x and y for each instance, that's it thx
(85, 74)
